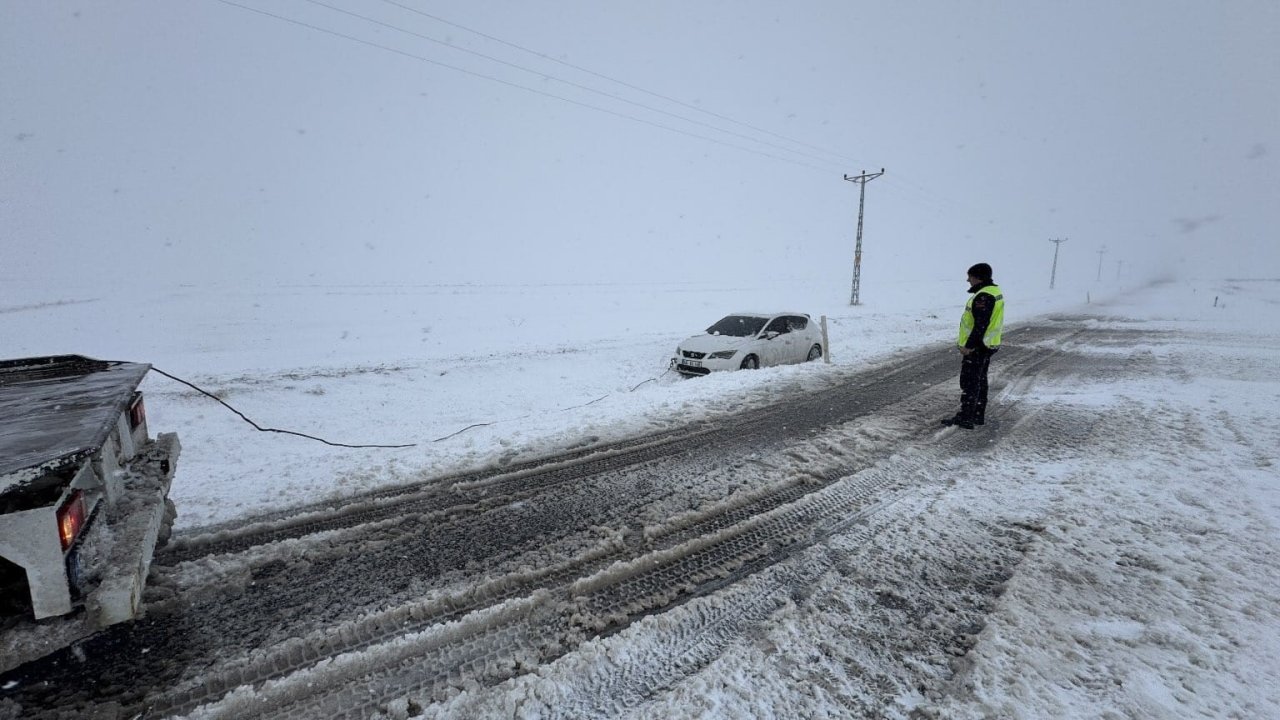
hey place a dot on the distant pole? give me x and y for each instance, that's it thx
(1056, 243)
(862, 181)
(1101, 252)
(1119, 264)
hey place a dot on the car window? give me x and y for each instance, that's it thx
(737, 326)
(797, 322)
(778, 325)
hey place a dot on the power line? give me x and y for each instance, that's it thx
(570, 83)
(623, 83)
(903, 182)
(940, 202)
(1012, 225)
(508, 83)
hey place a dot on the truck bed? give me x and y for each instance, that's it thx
(56, 411)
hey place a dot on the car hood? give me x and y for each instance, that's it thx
(712, 343)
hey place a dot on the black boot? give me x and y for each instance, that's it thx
(958, 421)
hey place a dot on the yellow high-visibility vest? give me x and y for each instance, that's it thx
(991, 338)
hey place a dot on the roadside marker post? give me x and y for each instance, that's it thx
(826, 344)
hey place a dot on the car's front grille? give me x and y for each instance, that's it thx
(694, 355)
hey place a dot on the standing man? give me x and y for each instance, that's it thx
(979, 338)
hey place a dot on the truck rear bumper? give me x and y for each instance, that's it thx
(123, 558)
(136, 524)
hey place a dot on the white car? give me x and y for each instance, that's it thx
(748, 341)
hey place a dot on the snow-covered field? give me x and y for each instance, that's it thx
(542, 367)
(1145, 507)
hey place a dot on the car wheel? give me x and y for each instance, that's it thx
(751, 362)
(815, 352)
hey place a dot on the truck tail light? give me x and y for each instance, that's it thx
(137, 412)
(71, 519)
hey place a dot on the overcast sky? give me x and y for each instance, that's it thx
(204, 141)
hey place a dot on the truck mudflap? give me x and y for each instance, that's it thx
(133, 527)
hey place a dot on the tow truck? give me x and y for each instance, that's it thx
(84, 500)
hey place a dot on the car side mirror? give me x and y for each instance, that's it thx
(771, 334)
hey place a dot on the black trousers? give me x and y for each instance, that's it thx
(973, 385)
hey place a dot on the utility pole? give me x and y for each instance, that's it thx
(1056, 243)
(1119, 264)
(1101, 252)
(862, 181)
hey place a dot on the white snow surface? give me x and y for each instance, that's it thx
(1148, 591)
(543, 367)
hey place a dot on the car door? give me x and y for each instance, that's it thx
(774, 352)
(799, 339)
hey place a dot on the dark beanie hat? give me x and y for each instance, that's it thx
(982, 271)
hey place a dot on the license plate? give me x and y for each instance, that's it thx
(693, 363)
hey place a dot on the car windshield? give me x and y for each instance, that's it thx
(738, 326)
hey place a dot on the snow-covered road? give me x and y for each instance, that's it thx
(1098, 548)
(1105, 546)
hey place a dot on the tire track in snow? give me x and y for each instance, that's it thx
(361, 684)
(628, 592)
(613, 599)
(438, 496)
(504, 589)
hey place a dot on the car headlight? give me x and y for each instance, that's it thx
(722, 355)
